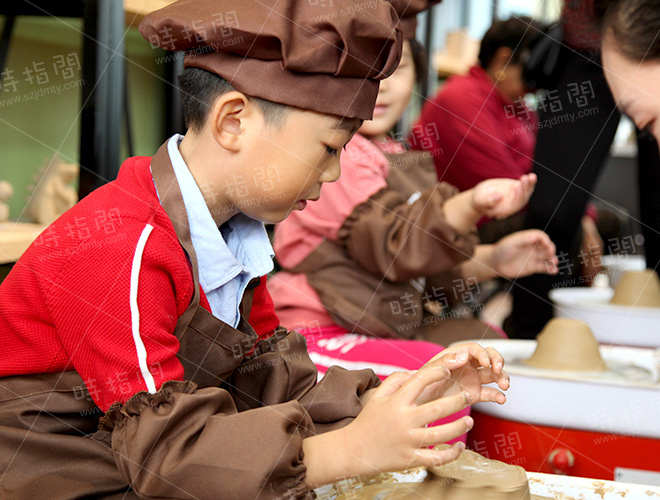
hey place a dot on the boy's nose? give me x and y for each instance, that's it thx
(333, 173)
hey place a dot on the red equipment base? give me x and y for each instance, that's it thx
(552, 450)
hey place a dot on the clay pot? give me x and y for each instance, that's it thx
(638, 289)
(566, 344)
(470, 477)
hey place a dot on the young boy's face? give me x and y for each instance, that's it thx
(285, 166)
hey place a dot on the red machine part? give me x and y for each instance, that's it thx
(553, 450)
(561, 461)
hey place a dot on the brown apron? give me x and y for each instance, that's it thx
(49, 443)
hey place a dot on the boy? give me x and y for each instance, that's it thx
(142, 311)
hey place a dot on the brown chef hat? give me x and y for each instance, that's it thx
(321, 55)
(408, 11)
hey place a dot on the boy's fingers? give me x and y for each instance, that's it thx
(431, 372)
(504, 381)
(441, 408)
(486, 376)
(455, 360)
(496, 360)
(492, 395)
(432, 392)
(501, 379)
(432, 436)
(436, 458)
(477, 355)
(392, 384)
(471, 351)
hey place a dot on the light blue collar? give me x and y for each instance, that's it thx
(226, 264)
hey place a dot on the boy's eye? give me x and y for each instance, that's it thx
(331, 151)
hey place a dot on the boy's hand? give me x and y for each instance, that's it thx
(499, 198)
(523, 253)
(470, 368)
(390, 433)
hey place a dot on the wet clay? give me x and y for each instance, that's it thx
(638, 289)
(471, 477)
(566, 344)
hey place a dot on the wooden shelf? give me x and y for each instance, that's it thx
(460, 54)
(135, 10)
(15, 237)
(449, 66)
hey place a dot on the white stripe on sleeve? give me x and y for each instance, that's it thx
(135, 312)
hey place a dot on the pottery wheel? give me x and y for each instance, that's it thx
(617, 371)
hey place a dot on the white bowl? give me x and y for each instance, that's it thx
(611, 324)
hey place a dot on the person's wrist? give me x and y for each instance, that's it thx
(487, 265)
(460, 211)
(366, 396)
(348, 459)
(328, 457)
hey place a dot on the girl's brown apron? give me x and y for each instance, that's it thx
(49, 443)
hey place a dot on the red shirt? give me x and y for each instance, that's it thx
(67, 303)
(475, 132)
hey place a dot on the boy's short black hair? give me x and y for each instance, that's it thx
(518, 34)
(199, 88)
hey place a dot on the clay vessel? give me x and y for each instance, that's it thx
(566, 344)
(471, 477)
(638, 289)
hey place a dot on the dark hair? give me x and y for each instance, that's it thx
(516, 33)
(420, 61)
(634, 24)
(199, 88)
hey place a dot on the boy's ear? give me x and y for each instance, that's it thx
(227, 120)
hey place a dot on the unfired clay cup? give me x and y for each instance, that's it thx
(566, 344)
(638, 289)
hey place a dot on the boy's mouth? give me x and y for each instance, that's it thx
(300, 205)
